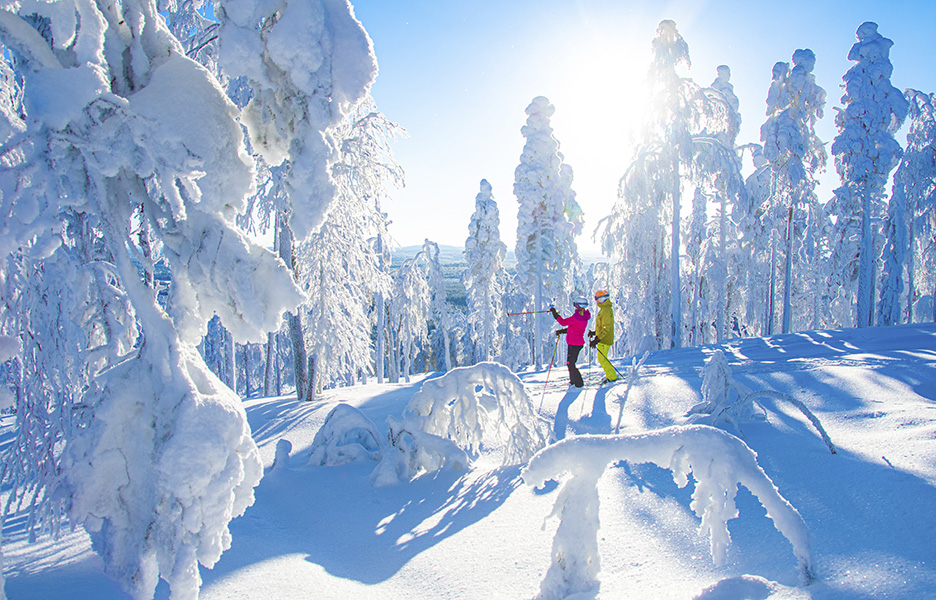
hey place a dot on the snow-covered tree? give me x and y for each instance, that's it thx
(896, 249)
(755, 247)
(548, 219)
(309, 63)
(719, 463)
(160, 458)
(518, 331)
(715, 169)
(409, 312)
(917, 176)
(441, 311)
(794, 104)
(485, 276)
(340, 271)
(865, 153)
(642, 233)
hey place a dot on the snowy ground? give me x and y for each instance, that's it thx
(327, 533)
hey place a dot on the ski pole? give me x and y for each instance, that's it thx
(549, 369)
(532, 312)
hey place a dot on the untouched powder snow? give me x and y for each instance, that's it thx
(329, 533)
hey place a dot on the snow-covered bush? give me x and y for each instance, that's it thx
(346, 436)
(411, 452)
(632, 377)
(726, 400)
(483, 407)
(718, 462)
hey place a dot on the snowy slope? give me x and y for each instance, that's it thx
(327, 533)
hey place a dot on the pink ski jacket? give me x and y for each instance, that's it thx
(576, 324)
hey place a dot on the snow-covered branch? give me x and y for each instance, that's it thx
(718, 462)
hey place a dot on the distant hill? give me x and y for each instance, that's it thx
(448, 255)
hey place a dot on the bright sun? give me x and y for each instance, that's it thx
(599, 95)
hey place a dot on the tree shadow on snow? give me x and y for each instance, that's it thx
(737, 588)
(853, 506)
(340, 521)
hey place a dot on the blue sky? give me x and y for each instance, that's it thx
(459, 75)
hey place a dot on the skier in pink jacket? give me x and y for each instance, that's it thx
(575, 326)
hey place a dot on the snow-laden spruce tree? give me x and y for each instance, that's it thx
(865, 153)
(797, 156)
(159, 456)
(485, 276)
(309, 63)
(917, 175)
(341, 272)
(548, 219)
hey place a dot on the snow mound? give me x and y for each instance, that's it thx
(346, 436)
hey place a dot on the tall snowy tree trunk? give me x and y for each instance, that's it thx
(246, 361)
(393, 355)
(676, 301)
(381, 318)
(788, 276)
(911, 290)
(538, 358)
(446, 345)
(723, 272)
(230, 361)
(269, 373)
(772, 287)
(269, 370)
(313, 380)
(294, 323)
(865, 303)
(380, 342)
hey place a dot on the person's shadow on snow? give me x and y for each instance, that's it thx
(596, 421)
(562, 412)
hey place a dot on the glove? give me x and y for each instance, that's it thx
(554, 312)
(560, 332)
(593, 343)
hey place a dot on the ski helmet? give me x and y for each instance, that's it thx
(601, 296)
(580, 302)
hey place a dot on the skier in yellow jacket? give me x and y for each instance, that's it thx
(603, 336)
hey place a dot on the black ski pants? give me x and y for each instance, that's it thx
(575, 376)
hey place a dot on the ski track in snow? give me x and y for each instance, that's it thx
(328, 533)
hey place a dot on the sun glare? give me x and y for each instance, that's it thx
(599, 97)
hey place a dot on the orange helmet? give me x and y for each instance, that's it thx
(601, 296)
